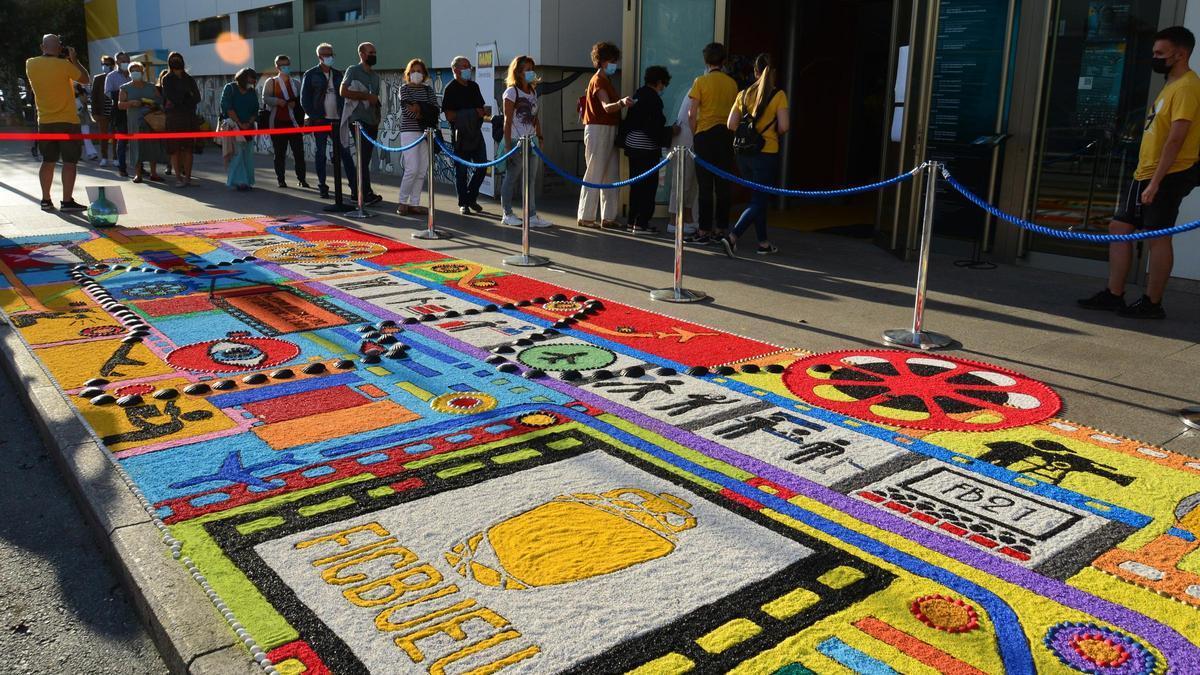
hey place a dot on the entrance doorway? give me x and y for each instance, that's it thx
(833, 60)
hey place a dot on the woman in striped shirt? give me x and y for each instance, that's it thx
(648, 135)
(415, 94)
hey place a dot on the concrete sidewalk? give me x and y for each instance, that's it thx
(822, 292)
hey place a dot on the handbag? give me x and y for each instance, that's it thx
(156, 120)
(748, 140)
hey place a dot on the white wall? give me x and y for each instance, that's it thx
(172, 32)
(1187, 246)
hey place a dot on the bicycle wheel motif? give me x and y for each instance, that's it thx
(904, 389)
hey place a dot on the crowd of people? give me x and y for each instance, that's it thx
(715, 119)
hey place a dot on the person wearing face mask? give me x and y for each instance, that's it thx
(418, 111)
(647, 135)
(112, 89)
(281, 96)
(362, 84)
(1166, 173)
(180, 98)
(711, 97)
(463, 105)
(239, 106)
(102, 106)
(601, 114)
(322, 105)
(520, 119)
(138, 97)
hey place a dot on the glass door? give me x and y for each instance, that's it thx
(1098, 87)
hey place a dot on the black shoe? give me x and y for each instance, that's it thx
(282, 183)
(474, 206)
(767, 249)
(1104, 300)
(729, 246)
(304, 184)
(71, 205)
(465, 210)
(324, 192)
(700, 237)
(642, 229)
(47, 204)
(372, 199)
(1143, 309)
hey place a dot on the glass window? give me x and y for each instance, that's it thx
(265, 20)
(323, 12)
(1098, 83)
(207, 30)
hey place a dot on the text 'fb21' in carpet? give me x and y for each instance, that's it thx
(385, 460)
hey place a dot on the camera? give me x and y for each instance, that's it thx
(64, 52)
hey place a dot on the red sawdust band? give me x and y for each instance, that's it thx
(156, 135)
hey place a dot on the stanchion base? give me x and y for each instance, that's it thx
(526, 260)
(360, 214)
(1190, 416)
(431, 234)
(902, 337)
(680, 295)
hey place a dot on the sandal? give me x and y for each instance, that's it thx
(138, 179)
(157, 178)
(404, 210)
(47, 204)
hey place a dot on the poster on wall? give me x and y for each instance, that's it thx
(485, 75)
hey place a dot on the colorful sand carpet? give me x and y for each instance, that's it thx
(383, 459)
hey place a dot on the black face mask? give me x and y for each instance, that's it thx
(371, 60)
(1159, 65)
(177, 65)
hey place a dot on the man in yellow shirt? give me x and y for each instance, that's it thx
(711, 98)
(52, 77)
(1166, 173)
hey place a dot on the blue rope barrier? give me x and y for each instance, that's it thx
(477, 165)
(803, 193)
(404, 148)
(1063, 234)
(599, 186)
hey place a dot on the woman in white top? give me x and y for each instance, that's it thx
(413, 93)
(520, 120)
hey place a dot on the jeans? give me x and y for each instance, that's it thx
(319, 160)
(280, 144)
(762, 168)
(122, 150)
(715, 146)
(468, 191)
(416, 166)
(641, 193)
(603, 166)
(512, 181)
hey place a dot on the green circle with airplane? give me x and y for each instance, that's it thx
(566, 356)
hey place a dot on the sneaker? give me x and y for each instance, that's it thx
(47, 205)
(282, 183)
(688, 228)
(511, 219)
(1105, 300)
(701, 238)
(372, 199)
(71, 205)
(642, 229)
(1143, 309)
(466, 211)
(765, 250)
(104, 162)
(324, 191)
(539, 222)
(729, 246)
(474, 206)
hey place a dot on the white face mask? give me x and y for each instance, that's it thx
(136, 76)
(417, 77)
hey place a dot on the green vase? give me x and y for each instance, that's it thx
(102, 212)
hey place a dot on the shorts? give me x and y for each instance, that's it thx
(68, 151)
(1164, 210)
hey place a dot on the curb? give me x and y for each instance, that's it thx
(190, 635)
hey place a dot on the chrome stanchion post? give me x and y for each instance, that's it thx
(916, 337)
(525, 259)
(358, 158)
(429, 232)
(1190, 416)
(677, 293)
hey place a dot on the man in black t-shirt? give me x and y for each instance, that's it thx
(463, 104)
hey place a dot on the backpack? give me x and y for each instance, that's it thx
(748, 140)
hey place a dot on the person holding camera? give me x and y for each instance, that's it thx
(52, 77)
(418, 112)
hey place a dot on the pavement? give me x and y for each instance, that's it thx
(822, 292)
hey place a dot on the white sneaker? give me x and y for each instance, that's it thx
(512, 219)
(688, 228)
(104, 162)
(539, 222)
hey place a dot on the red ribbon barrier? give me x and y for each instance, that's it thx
(158, 135)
